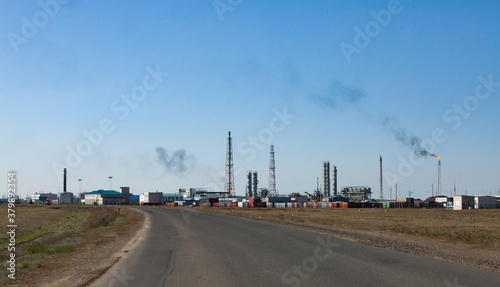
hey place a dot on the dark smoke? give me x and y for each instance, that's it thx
(338, 93)
(176, 163)
(414, 142)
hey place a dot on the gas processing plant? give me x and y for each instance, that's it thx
(325, 195)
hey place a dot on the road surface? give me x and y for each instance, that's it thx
(186, 248)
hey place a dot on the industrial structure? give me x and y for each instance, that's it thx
(356, 193)
(326, 178)
(43, 197)
(108, 197)
(229, 188)
(249, 189)
(272, 172)
(188, 193)
(381, 186)
(104, 197)
(65, 196)
(255, 184)
(252, 182)
(439, 177)
(334, 179)
(151, 198)
(322, 197)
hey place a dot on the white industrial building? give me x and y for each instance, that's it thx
(189, 193)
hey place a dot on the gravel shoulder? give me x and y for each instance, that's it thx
(91, 259)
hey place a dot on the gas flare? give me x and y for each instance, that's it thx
(436, 157)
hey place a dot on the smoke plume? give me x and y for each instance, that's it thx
(338, 93)
(176, 163)
(414, 142)
(400, 134)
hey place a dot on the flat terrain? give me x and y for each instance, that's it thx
(468, 237)
(187, 248)
(472, 228)
(159, 246)
(66, 245)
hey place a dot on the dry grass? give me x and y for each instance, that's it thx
(472, 228)
(45, 232)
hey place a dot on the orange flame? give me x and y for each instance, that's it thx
(436, 157)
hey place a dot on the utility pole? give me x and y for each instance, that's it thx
(397, 194)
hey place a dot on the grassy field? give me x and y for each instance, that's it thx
(472, 228)
(49, 231)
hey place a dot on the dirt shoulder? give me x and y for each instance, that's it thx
(448, 250)
(91, 259)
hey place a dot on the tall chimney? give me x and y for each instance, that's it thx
(381, 187)
(334, 180)
(64, 181)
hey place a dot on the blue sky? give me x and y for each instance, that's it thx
(274, 71)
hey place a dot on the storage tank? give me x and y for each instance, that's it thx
(65, 197)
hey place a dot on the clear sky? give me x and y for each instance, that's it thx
(146, 92)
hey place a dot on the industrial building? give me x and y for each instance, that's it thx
(104, 197)
(463, 202)
(171, 197)
(356, 193)
(65, 197)
(133, 199)
(486, 202)
(151, 198)
(43, 197)
(108, 197)
(189, 193)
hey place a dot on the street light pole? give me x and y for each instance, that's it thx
(110, 177)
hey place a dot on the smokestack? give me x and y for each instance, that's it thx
(64, 181)
(439, 178)
(335, 180)
(381, 194)
(255, 183)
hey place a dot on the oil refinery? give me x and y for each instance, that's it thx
(326, 195)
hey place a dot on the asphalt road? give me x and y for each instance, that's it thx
(185, 248)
